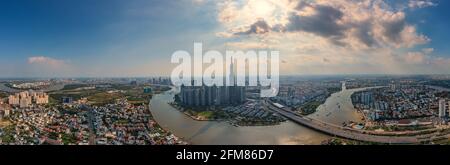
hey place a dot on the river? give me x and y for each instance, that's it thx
(222, 133)
(338, 108)
(53, 87)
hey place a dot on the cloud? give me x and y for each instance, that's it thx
(329, 37)
(414, 4)
(325, 21)
(357, 24)
(415, 57)
(48, 67)
(227, 11)
(428, 50)
(42, 60)
(259, 27)
(247, 45)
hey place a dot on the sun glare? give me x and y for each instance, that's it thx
(261, 8)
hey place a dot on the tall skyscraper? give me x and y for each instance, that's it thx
(232, 73)
(213, 95)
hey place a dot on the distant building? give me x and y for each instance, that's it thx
(67, 100)
(40, 97)
(366, 98)
(26, 98)
(291, 92)
(393, 87)
(5, 110)
(1, 110)
(147, 90)
(25, 102)
(14, 99)
(442, 112)
(211, 95)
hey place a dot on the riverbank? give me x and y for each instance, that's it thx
(339, 109)
(311, 106)
(198, 116)
(164, 130)
(221, 114)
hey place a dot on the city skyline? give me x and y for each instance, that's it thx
(137, 38)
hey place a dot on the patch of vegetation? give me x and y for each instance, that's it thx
(340, 141)
(53, 135)
(8, 132)
(3, 94)
(122, 121)
(122, 86)
(309, 107)
(206, 114)
(75, 86)
(68, 138)
(138, 100)
(103, 98)
(55, 97)
(397, 128)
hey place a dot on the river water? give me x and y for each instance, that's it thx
(337, 109)
(3, 87)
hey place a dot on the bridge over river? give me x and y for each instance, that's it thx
(343, 132)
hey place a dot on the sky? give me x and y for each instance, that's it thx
(129, 38)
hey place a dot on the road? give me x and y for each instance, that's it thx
(90, 116)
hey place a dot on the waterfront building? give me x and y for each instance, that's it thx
(366, 98)
(212, 95)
